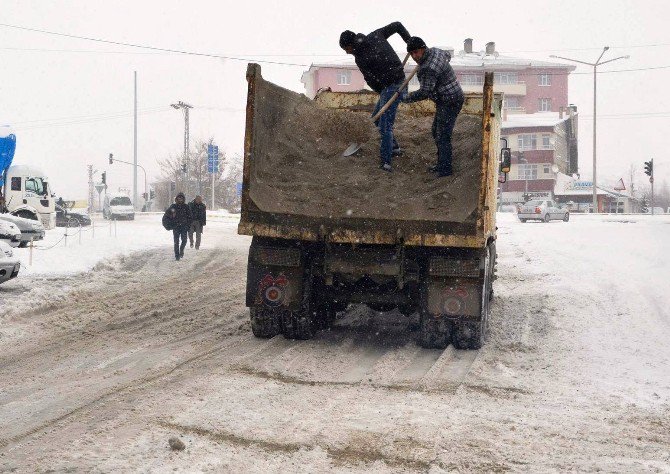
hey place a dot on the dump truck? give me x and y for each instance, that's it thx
(329, 231)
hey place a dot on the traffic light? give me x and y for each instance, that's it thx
(104, 177)
(649, 167)
(152, 194)
(111, 158)
(183, 168)
(145, 196)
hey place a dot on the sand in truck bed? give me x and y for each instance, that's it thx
(298, 167)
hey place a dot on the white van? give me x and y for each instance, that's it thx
(118, 206)
(28, 195)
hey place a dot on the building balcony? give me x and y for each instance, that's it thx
(509, 89)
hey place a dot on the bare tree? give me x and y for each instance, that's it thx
(197, 180)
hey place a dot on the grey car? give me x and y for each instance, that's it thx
(30, 229)
(9, 264)
(542, 210)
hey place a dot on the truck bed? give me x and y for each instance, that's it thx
(297, 184)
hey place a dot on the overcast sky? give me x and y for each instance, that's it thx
(70, 101)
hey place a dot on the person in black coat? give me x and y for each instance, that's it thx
(199, 213)
(383, 71)
(179, 218)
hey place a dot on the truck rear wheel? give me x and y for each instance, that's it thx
(434, 333)
(265, 323)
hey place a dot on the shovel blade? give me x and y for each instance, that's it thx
(351, 149)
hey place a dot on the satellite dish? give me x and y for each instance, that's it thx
(554, 168)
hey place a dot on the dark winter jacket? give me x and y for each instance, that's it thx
(376, 58)
(179, 215)
(199, 212)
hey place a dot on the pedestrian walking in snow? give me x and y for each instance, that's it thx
(438, 83)
(178, 218)
(199, 213)
(383, 71)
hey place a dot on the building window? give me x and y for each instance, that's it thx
(512, 102)
(344, 78)
(546, 141)
(527, 141)
(506, 78)
(547, 169)
(472, 80)
(544, 79)
(527, 171)
(544, 105)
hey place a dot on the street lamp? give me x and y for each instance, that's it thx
(595, 66)
(185, 107)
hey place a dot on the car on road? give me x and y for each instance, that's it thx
(542, 210)
(9, 264)
(69, 218)
(118, 206)
(30, 229)
(10, 234)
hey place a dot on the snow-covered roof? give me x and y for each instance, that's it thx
(462, 60)
(538, 119)
(25, 170)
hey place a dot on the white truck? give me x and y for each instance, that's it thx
(27, 194)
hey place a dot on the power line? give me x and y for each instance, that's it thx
(153, 48)
(248, 59)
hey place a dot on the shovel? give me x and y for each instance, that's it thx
(354, 147)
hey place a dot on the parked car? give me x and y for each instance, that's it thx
(69, 218)
(657, 210)
(9, 264)
(10, 233)
(542, 210)
(118, 206)
(30, 228)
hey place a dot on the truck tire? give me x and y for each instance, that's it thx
(433, 332)
(264, 322)
(301, 324)
(471, 334)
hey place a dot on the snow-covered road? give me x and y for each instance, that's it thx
(575, 375)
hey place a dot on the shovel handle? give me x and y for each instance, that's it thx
(395, 95)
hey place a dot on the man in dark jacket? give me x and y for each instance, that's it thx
(180, 218)
(438, 83)
(199, 213)
(383, 71)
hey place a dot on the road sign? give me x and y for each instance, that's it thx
(100, 187)
(212, 158)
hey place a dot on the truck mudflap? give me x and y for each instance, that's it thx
(274, 277)
(454, 298)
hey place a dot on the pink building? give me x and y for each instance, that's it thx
(537, 117)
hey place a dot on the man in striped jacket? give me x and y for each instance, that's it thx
(438, 83)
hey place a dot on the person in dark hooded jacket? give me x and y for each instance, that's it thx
(180, 218)
(383, 71)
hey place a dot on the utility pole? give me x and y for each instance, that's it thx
(135, 149)
(185, 165)
(595, 67)
(91, 196)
